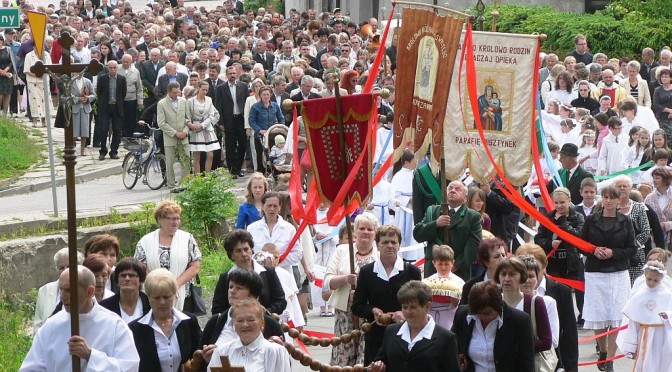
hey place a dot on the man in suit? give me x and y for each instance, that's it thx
(170, 76)
(464, 231)
(213, 79)
(568, 347)
(648, 64)
(230, 102)
(571, 173)
(262, 56)
(149, 71)
(147, 37)
(305, 91)
(172, 117)
(551, 60)
(279, 95)
(111, 91)
(215, 83)
(296, 74)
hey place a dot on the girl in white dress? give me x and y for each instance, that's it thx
(648, 338)
(588, 151)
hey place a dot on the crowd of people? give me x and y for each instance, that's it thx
(214, 82)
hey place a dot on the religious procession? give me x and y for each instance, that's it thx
(449, 199)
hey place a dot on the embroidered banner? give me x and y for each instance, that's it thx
(427, 46)
(506, 68)
(322, 134)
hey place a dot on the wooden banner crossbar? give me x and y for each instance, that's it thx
(436, 7)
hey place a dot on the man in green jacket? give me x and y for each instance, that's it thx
(464, 231)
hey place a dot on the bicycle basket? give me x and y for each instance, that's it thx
(134, 144)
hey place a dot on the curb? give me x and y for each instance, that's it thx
(79, 178)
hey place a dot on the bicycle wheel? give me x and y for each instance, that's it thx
(131, 169)
(155, 171)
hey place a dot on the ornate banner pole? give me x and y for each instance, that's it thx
(69, 159)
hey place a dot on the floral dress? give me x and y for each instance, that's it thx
(353, 352)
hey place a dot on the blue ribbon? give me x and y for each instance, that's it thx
(380, 157)
(333, 233)
(548, 158)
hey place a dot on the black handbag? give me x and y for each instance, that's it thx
(196, 298)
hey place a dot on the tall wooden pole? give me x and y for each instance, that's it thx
(344, 163)
(69, 160)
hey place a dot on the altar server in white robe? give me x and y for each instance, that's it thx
(110, 351)
(648, 338)
(402, 184)
(382, 200)
(326, 240)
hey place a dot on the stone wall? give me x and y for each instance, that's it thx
(29, 263)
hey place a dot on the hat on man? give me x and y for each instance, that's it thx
(570, 149)
(605, 97)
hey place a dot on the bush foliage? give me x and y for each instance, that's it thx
(624, 28)
(206, 204)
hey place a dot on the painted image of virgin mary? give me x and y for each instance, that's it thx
(490, 109)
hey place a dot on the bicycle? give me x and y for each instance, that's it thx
(143, 159)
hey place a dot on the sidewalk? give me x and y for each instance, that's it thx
(38, 177)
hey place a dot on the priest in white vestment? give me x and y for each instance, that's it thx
(110, 351)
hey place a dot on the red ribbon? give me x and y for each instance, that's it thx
(591, 338)
(381, 52)
(545, 196)
(507, 188)
(576, 284)
(600, 361)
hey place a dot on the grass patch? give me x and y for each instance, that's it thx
(212, 264)
(16, 316)
(138, 219)
(17, 150)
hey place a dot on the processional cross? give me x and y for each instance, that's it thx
(226, 366)
(69, 159)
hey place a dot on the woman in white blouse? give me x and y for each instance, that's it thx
(165, 337)
(251, 349)
(342, 282)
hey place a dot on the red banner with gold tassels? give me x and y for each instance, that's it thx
(323, 137)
